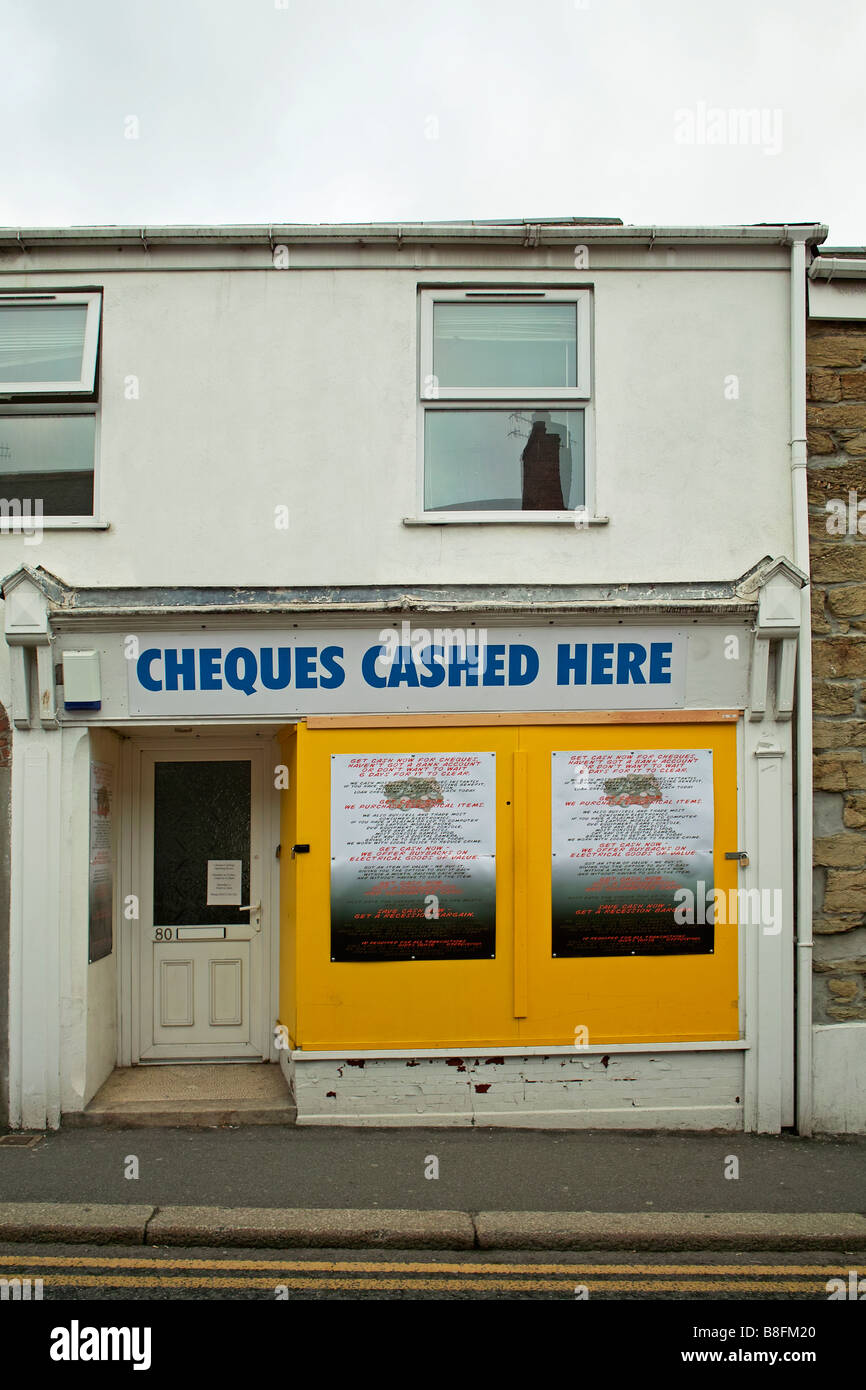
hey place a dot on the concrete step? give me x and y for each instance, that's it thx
(190, 1114)
(196, 1095)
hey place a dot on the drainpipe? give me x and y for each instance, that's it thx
(804, 691)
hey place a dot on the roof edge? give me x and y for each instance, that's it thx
(526, 233)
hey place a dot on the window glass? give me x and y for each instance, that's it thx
(514, 459)
(49, 458)
(41, 342)
(505, 345)
(201, 811)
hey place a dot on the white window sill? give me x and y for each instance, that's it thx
(26, 525)
(573, 519)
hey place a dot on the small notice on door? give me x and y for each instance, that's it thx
(224, 882)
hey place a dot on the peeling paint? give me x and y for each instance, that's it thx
(495, 1061)
(359, 1062)
(534, 1087)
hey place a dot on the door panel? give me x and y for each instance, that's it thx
(175, 995)
(227, 997)
(525, 994)
(384, 1002)
(640, 998)
(201, 958)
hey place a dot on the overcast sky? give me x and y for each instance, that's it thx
(219, 111)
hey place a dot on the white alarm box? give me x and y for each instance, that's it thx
(81, 683)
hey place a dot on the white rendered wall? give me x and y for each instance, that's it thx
(839, 1074)
(259, 388)
(88, 1041)
(616, 1090)
(102, 974)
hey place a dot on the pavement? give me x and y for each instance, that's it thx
(276, 1228)
(280, 1187)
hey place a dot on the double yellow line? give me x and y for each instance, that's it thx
(426, 1276)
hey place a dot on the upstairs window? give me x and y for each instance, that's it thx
(505, 383)
(48, 402)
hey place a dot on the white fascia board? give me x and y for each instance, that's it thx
(837, 299)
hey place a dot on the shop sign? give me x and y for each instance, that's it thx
(405, 670)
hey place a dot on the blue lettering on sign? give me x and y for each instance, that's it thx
(614, 663)
(143, 668)
(494, 665)
(630, 656)
(180, 664)
(571, 668)
(522, 664)
(305, 676)
(335, 675)
(238, 678)
(602, 663)
(209, 659)
(513, 664)
(403, 670)
(433, 659)
(368, 668)
(463, 670)
(660, 663)
(242, 669)
(279, 679)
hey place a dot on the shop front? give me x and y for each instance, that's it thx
(516, 863)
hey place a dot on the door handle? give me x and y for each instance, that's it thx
(255, 911)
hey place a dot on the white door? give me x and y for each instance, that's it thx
(202, 952)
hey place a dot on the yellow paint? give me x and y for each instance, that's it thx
(74, 1262)
(525, 1285)
(410, 1266)
(524, 995)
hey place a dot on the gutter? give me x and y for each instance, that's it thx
(525, 233)
(803, 890)
(838, 268)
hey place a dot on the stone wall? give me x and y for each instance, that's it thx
(836, 386)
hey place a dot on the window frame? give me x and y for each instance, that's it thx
(86, 384)
(581, 391)
(81, 397)
(578, 397)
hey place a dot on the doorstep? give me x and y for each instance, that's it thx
(190, 1095)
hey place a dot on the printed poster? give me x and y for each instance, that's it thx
(413, 856)
(632, 852)
(101, 865)
(224, 882)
